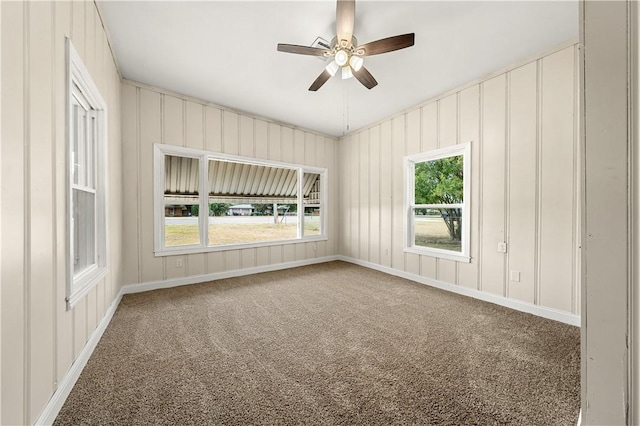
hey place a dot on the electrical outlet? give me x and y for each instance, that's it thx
(502, 247)
(515, 276)
(386, 252)
(315, 247)
(178, 263)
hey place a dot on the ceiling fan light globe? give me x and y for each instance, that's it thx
(341, 58)
(332, 68)
(356, 62)
(346, 72)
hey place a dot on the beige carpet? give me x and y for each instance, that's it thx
(327, 344)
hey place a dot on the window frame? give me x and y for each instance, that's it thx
(464, 255)
(163, 150)
(80, 84)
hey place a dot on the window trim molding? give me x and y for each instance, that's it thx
(409, 195)
(162, 150)
(78, 75)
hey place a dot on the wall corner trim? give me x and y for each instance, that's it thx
(529, 308)
(53, 407)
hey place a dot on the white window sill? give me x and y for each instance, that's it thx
(440, 254)
(88, 283)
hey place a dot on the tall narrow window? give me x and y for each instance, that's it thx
(86, 199)
(437, 196)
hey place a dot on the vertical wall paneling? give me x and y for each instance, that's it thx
(262, 256)
(230, 135)
(345, 190)
(288, 253)
(557, 181)
(130, 163)
(151, 115)
(469, 131)
(262, 139)
(232, 260)
(397, 185)
(414, 141)
(522, 177)
(63, 356)
(13, 220)
(332, 220)
(40, 338)
(298, 146)
(522, 129)
(41, 231)
(363, 199)
(274, 143)
(286, 145)
(150, 131)
(353, 171)
(213, 129)
(246, 136)
(248, 258)
(374, 195)
(385, 194)
(493, 184)
(215, 262)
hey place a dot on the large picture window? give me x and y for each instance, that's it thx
(206, 201)
(436, 202)
(86, 115)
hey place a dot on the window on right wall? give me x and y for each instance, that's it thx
(437, 195)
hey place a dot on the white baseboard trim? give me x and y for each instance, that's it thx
(176, 282)
(53, 407)
(541, 311)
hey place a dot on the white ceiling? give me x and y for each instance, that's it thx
(225, 52)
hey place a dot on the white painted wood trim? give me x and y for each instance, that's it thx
(177, 282)
(529, 308)
(53, 407)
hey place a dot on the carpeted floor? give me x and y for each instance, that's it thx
(329, 344)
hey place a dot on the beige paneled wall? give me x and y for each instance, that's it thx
(155, 116)
(40, 338)
(522, 125)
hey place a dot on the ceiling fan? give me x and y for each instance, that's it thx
(346, 53)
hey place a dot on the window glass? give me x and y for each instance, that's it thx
(312, 204)
(86, 198)
(181, 201)
(439, 183)
(436, 201)
(251, 203)
(84, 235)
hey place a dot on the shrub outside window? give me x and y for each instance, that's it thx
(437, 194)
(207, 201)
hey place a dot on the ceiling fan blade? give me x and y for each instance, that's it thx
(364, 76)
(345, 18)
(302, 50)
(385, 45)
(322, 79)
